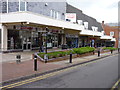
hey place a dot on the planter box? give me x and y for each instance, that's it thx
(64, 57)
(86, 54)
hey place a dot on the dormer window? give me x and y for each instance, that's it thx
(80, 22)
(94, 28)
(86, 25)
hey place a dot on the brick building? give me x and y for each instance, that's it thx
(113, 31)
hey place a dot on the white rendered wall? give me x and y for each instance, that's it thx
(4, 38)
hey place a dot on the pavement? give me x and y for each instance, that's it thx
(13, 71)
(11, 57)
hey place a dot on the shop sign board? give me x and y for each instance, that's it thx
(71, 17)
(20, 27)
(71, 36)
(49, 45)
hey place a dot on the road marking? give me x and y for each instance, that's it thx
(115, 85)
(46, 75)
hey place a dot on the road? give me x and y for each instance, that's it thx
(100, 74)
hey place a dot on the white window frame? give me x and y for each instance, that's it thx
(57, 15)
(112, 33)
(80, 22)
(86, 25)
(51, 13)
(7, 6)
(25, 9)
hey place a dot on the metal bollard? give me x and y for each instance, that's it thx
(99, 53)
(35, 63)
(111, 51)
(18, 57)
(70, 57)
(118, 50)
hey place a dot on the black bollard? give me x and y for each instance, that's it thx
(18, 57)
(118, 50)
(111, 51)
(35, 63)
(98, 53)
(45, 60)
(71, 57)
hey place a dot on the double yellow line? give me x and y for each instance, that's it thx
(44, 76)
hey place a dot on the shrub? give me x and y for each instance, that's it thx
(63, 53)
(70, 51)
(83, 50)
(109, 48)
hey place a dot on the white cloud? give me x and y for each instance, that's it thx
(106, 10)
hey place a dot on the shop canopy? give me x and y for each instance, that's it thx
(90, 33)
(106, 37)
(29, 17)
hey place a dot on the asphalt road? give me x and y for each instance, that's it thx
(101, 74)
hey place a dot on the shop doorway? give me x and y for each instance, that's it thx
(26, 40)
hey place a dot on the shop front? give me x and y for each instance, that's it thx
(23, 37)
(83, 41)
(71, 38)
(24, 33)
(72, 41)
(55, 38)
(91, 41)
(30, 38)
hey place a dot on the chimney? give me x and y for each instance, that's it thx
(102, 22)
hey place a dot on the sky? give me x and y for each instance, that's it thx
(101, 10)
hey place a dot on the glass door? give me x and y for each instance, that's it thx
(26, 40)
(55, 40)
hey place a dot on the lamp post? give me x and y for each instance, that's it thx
(46, 45)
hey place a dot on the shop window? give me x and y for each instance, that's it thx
(14, 39)
(35, 39)
(49, 41)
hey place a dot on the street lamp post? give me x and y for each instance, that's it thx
(46, 45)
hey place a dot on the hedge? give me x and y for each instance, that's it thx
(83, 50)
(109, 48)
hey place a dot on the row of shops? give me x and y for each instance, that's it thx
(32, 34)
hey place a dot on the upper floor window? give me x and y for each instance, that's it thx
(4, 6)
(80, 22)
(22, 5)
(8, 6)
(55, 14)
(86, 25)
(112, 33)
(94, 28)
